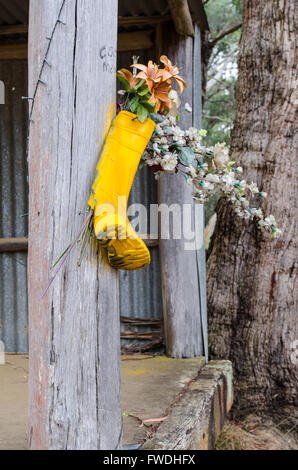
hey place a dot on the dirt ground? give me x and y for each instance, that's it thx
(149, 387)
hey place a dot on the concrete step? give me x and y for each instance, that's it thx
(196, 420)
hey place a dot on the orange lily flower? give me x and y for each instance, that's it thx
(151, 73)
(171, 71)
(160, 95)
(129, 77)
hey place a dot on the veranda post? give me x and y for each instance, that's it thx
(74, 384)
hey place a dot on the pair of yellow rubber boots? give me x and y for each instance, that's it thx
(119, 161)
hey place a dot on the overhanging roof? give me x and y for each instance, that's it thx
(14, 12)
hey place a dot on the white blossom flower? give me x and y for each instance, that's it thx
(212, 178)
(202, 132)
(159, 130)
(153, 161)
(257, 212)
(270, 220)
(156, 148)
(177, 133)
(239, 169)
(192, 133)
(192, 171)
(221, 155)
(187, 108)
(172, 120)
(253, 188)
(174, 97)
(169, 162)
(244, 202)
(208, 186)
(229, 179)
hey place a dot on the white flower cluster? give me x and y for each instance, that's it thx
(208, 170)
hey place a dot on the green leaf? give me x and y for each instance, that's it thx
(142, 112)
(139, 85)
(134, 104)
(60, 256)
(186, 155)
(144, 91)
(147, 105)
(124, 82)
(156, 117)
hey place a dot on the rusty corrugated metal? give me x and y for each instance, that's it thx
(14, 205)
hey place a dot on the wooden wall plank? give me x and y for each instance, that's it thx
(199, 208)
(180, 287)
(74, 331)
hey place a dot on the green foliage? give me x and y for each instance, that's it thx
(219, 102)
(186, 155)
(136, 99)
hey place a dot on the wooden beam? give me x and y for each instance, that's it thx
(21, 244)
(13, 51)
(142, 20)
(181, 17)
(180, 286)
(13, 244)
(135, 41)
(74, 331)
(7, 30)
(131, 41)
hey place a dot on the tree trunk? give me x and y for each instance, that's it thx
(74, 331)
(252, 301)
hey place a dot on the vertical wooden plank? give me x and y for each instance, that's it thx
(74, 332)
(181, 303)
(199, 208)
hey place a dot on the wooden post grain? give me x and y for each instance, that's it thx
(180, 289)
(74, 331)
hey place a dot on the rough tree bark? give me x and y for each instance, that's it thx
(74, 331)
(252, 301)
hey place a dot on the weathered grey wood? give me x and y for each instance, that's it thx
(199, 208)
(181, 303)
(13, 244)
(196, 420)
(74, 332)
(181, 17)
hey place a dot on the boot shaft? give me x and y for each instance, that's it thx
(119, 161)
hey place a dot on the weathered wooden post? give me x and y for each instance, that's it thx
(180, 285)
(74, 384)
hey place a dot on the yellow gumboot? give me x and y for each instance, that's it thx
(116, 169)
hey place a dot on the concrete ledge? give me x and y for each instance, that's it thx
(197, 419)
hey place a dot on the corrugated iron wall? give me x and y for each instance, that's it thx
(14, 205)
(140, 291)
